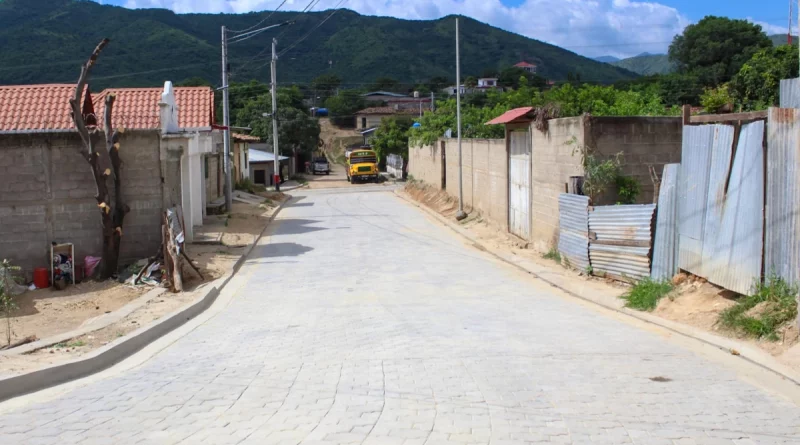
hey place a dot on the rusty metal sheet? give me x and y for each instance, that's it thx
(665, 244)
(621, 261)
(790, 93)
(573, 224)
(732, 250)
(699, 142)
(620, 239)
(782, 246)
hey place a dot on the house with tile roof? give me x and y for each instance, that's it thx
(529, 67)
(48, 192)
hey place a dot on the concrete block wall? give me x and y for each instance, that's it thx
(213, 178)
(644, 141)
(485, 176)
(554, 159)
(47, 194)
(425, 163)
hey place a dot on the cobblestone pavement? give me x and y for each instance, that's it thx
(384, 328)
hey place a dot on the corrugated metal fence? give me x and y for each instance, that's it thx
(573, 239)
(620, 238)
(790, 93)
(782, 249)
(721, 204)
(665, 246)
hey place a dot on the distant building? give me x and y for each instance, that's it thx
(487, 82)
(371, 117)
(397, 100)
(529, 67)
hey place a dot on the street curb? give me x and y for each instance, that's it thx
(733, 347)
(124, 347)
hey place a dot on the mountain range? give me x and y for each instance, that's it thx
(47, 41)
(647, 64)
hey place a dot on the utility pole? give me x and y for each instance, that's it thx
(226, 121)
(273, 75)
(460, 215)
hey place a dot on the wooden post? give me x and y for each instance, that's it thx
(687, 114)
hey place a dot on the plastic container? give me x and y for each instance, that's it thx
(41, 278)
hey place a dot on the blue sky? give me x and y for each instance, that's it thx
(620, 28)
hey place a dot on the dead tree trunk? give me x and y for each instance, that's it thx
(106, 166)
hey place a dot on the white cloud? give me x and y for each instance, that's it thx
(769, 28)
(590, 27)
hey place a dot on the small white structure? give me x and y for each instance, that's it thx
(201, 142)
(487, 82)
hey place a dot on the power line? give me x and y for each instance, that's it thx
(308, 8)
(261, 22)
(314, 28)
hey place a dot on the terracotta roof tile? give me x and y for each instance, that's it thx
(35, 107)
(137, 108)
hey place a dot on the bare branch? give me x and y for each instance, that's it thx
(75, 102)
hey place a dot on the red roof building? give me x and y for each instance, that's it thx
(529, 67)
(36, 108)
(512, 116)
(45, 108)
(137, 108)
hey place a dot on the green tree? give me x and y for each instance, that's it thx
(195, 81)
(385, 84)
(325, 86)
(342, 108)
(510, 78)
(297, 131)
(438, 83)
(471, 82)
(716, 48)
(713, 99)
(392, 137)
(757, 85)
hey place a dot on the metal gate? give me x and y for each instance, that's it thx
(519, 183)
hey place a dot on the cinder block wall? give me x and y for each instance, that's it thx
(47, 194)
(643, 141)
(213, 183)
(485, 176)
(553, 161)
(425, 164)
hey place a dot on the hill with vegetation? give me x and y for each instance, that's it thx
(780, 39)
(646, 64)
(46, 41)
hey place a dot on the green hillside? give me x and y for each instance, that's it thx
(46, 40)
(780, 39)
(646, 64)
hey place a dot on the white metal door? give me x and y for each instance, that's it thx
(519, 183)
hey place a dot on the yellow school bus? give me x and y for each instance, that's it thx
(362, 165)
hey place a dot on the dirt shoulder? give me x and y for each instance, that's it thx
(694, 302)
(46, 312)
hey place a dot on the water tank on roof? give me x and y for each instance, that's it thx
(416, 94)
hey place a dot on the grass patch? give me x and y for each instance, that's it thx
(552, 254)
(760, 315)
(300, 179)
(646, 294)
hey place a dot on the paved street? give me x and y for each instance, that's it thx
(365, 322)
